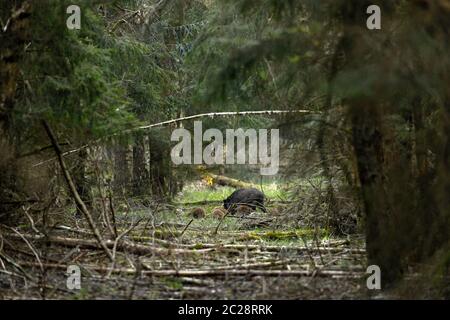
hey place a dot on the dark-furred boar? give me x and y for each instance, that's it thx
(249, 197)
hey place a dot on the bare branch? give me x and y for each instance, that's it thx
(74, 191)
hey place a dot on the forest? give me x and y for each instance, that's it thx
(224, 149)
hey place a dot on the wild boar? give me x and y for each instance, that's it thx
(243, 210)
(249, 197)
(197, 213)
(218, 213)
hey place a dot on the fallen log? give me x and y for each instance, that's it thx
(221, 246)
(198, 203)
(213, 272)
(173, 248)
(226, 181)
(121, 246)
(279, 248)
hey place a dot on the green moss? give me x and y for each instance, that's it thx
(81, 294)
(441, 273)
(165, 233)
(250, 236)
(275, 235)
(198, 246)
(173, 283)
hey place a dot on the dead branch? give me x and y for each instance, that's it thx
(197, 203)
(33, 250)
(74, 191)
(226, 181)
(221, 114)
(116, 242)
(122, 246)
(113, 214)
(32, 224)
(172, 121)
(214, 272)
(185, 228)
(277, 248)
(220, 222)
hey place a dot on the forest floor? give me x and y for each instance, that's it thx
(162, 253)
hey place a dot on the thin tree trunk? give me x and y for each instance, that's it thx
(81, 183)
(158, 168)
(121, 171)
(140, 173)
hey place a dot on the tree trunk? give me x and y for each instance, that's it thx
(16, 15)
(381, 244)
(80, 180)
(121, 171)
(158, 168)
(140, 173)
(13, 38)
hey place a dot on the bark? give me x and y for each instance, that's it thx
(366, 114)
(381, 243)
(80, 180)
(121, 171)
(140, 173)
(15, 33)
(13, 38)
(158, 168)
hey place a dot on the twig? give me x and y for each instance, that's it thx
(33, 226)
(220, 222)
(185, 228)
(19, 267)
(136, 277)
(113, 214)
(28, 244)
(116, 241)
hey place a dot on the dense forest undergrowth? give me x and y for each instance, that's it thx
(117, 149)
(167, 254)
